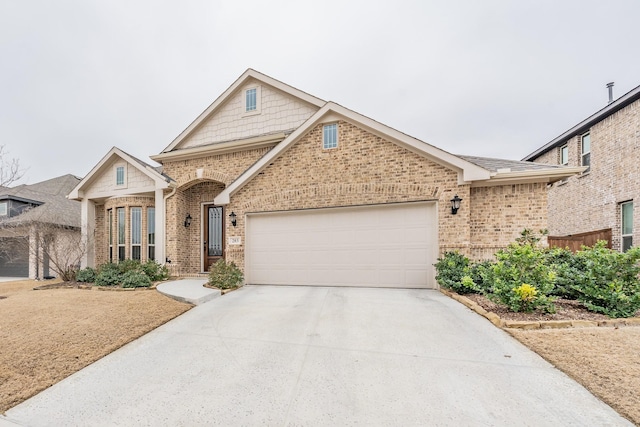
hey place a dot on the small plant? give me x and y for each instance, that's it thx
(135, 279)
(108, 277)
(87, 275)
(451, 269)
(517, 266)
(225, 275)
(129, 265)
(155, 271)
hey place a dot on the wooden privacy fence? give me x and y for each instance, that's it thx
(575, 241)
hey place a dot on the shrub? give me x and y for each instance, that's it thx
(129, 265)
(225, 275)
(481, 275)
(567, 267)
(108, 276)
(155, 271)
(451, 269)
(609, 282)
(87, 275)
(521, 279)
(135, 279)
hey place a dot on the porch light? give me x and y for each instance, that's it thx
(455, 204)
(232, 217)
(187, 221)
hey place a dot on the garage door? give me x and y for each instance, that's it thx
(14, 257)
(393, 245)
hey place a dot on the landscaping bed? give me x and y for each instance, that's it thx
(49, 334)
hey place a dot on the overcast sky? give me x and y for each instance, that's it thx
(490, 78)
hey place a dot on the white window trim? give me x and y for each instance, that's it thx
(133, 237)
(563, 147)
(324, 145)
(258, 109)
(582, 152)
(4, 208)
(115, 175)
(622, 235)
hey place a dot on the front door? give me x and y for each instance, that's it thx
(212, 237)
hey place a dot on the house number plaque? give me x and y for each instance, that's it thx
(235, 240)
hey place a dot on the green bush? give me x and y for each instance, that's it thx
(567, 267)
(225, 275)
(454, 273)
(155, 271)
(135, 279)
(522, 280)
(108, 275)
(481, 274)
(129, 265)
(87, 275)
(609, 281)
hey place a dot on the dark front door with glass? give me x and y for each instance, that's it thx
(213, 237)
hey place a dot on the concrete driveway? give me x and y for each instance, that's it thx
(321, 356)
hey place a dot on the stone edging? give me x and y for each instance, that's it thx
(541, 324)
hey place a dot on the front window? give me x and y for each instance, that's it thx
(251, 98)
(136, 233)
(586, 151)
(121, 234)
(4, 208)
(120, 175)
(330, 136)
(627, 225)
(110, 219)
(564, 155)
(151, 233)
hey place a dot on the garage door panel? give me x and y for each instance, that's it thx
(383, 245)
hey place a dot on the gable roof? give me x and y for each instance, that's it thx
(244, 78)
(162, 180)
(471, 169)
(54, 206)
(626, 99)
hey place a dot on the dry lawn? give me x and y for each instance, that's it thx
(604, 360)
(47, 335)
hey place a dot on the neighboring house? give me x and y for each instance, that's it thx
(607, 144)
(27, 212)
(297, 190)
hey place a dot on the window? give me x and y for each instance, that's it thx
(564, 155)
(330, 136)
(251, 96)
(4, 211)
(136, 233)
(151, 233)
(110, 219)
(586, 151)
(120, 176)
(121, 233)
(626, 210)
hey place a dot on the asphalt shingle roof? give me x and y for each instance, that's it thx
(55, 207)
(493, 165)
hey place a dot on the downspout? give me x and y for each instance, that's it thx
(166, 258)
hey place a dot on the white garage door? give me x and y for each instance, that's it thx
(393, 245)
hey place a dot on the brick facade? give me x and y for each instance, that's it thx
(591, 201)
(102, 227)
(364, 169)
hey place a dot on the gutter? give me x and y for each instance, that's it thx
(549, 176)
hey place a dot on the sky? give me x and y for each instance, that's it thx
(491, 78)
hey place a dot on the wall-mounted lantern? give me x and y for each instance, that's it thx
(455, 204)
(232, 217)
(187, 221)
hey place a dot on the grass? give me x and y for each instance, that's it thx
(47, 335)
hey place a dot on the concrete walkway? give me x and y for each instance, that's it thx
(268, 355)
(188, 290)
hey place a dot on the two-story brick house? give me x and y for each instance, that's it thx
(297, 190)
(607, 144)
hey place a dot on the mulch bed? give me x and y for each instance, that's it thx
(88, 286)
(565, 310)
